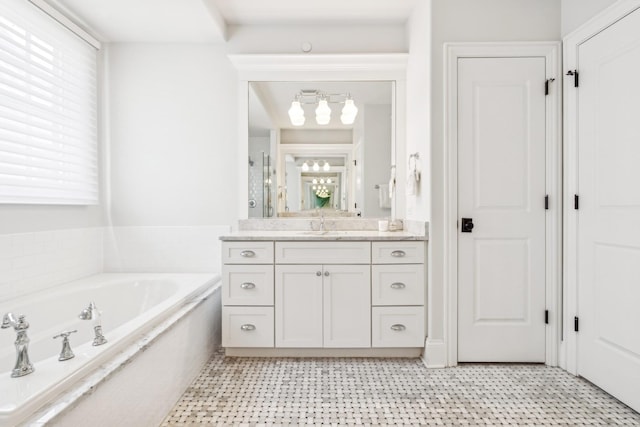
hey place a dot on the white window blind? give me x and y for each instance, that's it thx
(48, 110)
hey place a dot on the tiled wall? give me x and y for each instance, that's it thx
(30, 262)
(163, 249)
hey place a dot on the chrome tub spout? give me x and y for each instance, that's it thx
(23, 364)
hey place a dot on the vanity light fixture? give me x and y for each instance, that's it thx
(326, 167)
(316, 167)
(323, 111)
(329, 181)
(305, 167)
(314, 181)
(321, 181)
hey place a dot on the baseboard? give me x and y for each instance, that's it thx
(322, 352)
(435, 354)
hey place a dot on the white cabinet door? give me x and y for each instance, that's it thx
(247, 284)
(347, 306)
(247, 326)
(398, 326)
(608, 238)
(298, 305)
(501, 187)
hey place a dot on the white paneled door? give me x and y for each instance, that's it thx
(609, 210)
(501, 209)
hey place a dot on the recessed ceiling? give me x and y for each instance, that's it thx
(207, 20)
(315, 11)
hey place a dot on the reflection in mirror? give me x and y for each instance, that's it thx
(320, 145)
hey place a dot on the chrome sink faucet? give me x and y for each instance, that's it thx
(23, 364)
(92, 313)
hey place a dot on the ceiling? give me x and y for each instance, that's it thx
(207, 20)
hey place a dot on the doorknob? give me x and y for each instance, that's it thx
(467, 225)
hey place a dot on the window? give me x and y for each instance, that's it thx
(48, 110)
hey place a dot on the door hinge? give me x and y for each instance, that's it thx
(546, 202)
(575, 324)
(576, 78)
(355, 163)
(546, 86)
(576, 202)
(546, 317)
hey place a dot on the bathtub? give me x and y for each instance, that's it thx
(136, 309)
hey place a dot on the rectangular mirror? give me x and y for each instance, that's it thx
(320, 145)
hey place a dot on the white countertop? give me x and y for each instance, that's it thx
(329, 235)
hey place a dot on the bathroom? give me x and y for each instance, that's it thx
(172, 153)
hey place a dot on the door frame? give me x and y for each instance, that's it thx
(551, 52)
(572, 42)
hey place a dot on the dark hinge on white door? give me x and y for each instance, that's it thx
(575, 324)
(576, 78)
(546, 202)
(546, 86)
(546, 317)
(576, 202)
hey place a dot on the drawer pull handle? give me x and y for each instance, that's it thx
(398, 285)
(248, 285)
(398, 327)
(318, 273)
(398, 254)
(247, 254)
(248, 327)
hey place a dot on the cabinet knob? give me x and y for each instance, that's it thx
(247, 254)
(248, 327)
(398, 254)
(398, 327)
(398, 285)
(326, 273)
(248, 285)
(318, 273)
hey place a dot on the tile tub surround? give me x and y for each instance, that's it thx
(163, 249)
(31, 262)
(232, 391)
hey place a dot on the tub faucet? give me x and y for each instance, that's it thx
(92, 313)
(23, 365)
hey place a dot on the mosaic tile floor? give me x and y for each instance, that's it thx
(272, 391)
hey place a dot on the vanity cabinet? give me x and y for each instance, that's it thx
(247, 294)
(323, 306)
(325, 294)
(398, 294)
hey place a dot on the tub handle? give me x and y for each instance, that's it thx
(248, 327)
(398, 285)
(66, 353)
(398, 254)
(398, 327)
(248, 285)
(247, 254)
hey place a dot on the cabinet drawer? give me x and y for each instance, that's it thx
(401, 284)
(247, 252)
(323, 252)
(397, 252)
(247, 326)
(397, 327)
(247, 284)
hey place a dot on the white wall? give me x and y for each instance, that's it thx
(172, 121)
(577, 12)
(470, 21)
(418, 108)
